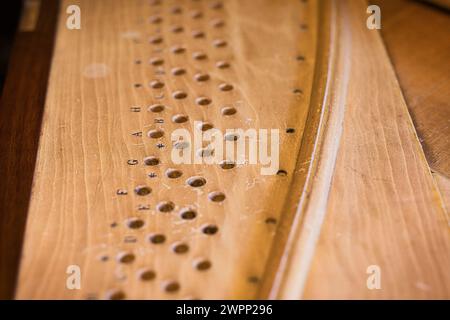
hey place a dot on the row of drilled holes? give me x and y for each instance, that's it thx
(199, 264)
(195, 14)
(174, 286)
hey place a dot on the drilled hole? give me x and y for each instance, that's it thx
(173, 173)
(180, 118)
(142, 190)
(216, 196)
(290, 130)
(155, 19)
(151, 161)
(103, 258)
(300, 58)
(219, 43)
(231, 137)
(216, 5)
(156, 108)
(156, 84)
(155, 39)
(201, 77)
(222, 65)
(199, 56)
(196, 14)
(171, 286)
(178, 71)
(225, 87)
(228, 111)
(176, 10)
(165, 206)
(125, 257)
(137, 61)
(196, 182)
(210, 229)
(202, 265)
(205, 126)
(297, 91)
(205, 152)
(115, 294)
(137, 85)
(177, 29)
(157, 238)
(155, 133)
(135, 223)
(227, 164)
(217, 23)
(146, 275)
(281, 173)
(188, 214)
(178, 49)
(271, 220)
(198, 34)
(180, 248)
(179, 94)
(253, 279)
(203, 101)
(156, 61)
(179, 145)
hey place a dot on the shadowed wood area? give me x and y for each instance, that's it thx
(21, 109)
(420, 55)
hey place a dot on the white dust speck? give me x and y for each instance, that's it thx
(422, 286)
(96, 70)
(132, 35)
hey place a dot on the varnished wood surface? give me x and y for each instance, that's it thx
(384, 208)
(76, 216)
(420, 55)
(21, 108)
(358, 190)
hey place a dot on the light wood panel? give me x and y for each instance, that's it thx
(383, 208)
(358, 190)
(76, 216)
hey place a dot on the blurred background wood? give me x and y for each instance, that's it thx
(416, 36)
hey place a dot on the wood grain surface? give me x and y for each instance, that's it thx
(384, 208)
(419, 53)
(98, 73)
(355, 189)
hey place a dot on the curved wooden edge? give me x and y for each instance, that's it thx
(426, 88)
(320, 127)
(311, 210)
(298, 265)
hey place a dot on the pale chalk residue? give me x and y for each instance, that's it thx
(96, 70)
